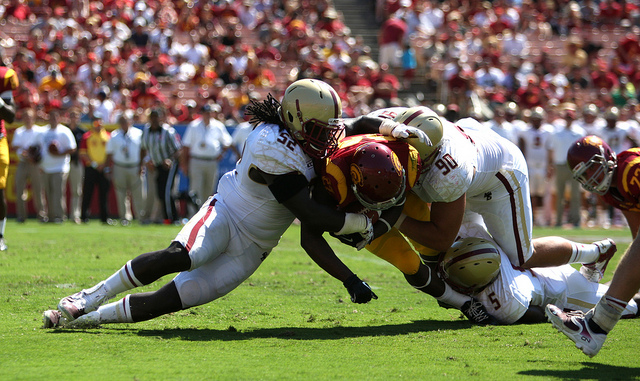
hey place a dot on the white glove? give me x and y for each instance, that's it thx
(402, 131)
(367, 235)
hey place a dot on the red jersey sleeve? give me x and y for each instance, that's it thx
(626, 194)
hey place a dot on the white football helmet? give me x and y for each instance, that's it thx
(311, 110)
(470, 265)
(428, 121)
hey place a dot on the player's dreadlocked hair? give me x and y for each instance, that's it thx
(266, 111)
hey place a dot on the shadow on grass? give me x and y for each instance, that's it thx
(287, 333)
(590, 371)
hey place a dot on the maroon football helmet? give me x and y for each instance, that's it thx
(377, 175)
(592, 163)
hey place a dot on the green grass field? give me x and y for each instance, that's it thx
(288, 321)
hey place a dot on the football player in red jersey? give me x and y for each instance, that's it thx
(7, 113)
(616, 180)
(374, 174)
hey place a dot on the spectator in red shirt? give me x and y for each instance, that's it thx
(386, 85)
(629, 46)
(330, 22)
(531, 95)
(610, 12)
(390, 40)
(602, 78)
(145, 96)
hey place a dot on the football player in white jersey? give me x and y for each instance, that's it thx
(236, 229)
(626, 121)
(477, 266)
(389, 243)
(536, 143)
(615, 133)
(475, 169)
(501, 125)
(591, 121)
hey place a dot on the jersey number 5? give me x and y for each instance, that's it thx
(494, 301)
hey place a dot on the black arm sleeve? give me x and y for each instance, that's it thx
(286, 186)
(363, 125)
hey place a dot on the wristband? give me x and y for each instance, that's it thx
(387, 126)
(351, 280)
(353, 223)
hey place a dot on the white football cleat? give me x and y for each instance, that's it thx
(53, 319)
(83, 302)
(575, 325)
(90, 320)
(594, 271)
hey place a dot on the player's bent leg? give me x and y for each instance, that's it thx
(149, 305)
(150, 267)
(142, 270)
(218, 277)
(130, 309)
(394, 248)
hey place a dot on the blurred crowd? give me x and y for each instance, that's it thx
(463, 58)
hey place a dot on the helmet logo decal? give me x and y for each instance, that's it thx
(396, 164)
(356, 175)
(593, 140)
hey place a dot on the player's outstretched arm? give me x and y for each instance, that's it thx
(323, 255)
(375, 125)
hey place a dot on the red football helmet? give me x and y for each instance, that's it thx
(377, 176)
(592, 163)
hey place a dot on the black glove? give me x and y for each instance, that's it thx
(359, 290)
(353, 239)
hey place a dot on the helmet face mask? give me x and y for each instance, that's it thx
(311, 110)
(592, 163)
(378, 178)
(470, 265)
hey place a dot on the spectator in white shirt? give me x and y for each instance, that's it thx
(24, 143)
(204, 143)
(56, 144)
(566, 134)
(124, 158)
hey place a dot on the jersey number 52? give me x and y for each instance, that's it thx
(285, 139)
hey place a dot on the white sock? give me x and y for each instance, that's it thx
(452, 297)
(607, 312)
(122, 280)
(116, 312)
(3, 222)
(584, 253)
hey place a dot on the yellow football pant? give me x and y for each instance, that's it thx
(399, 250)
